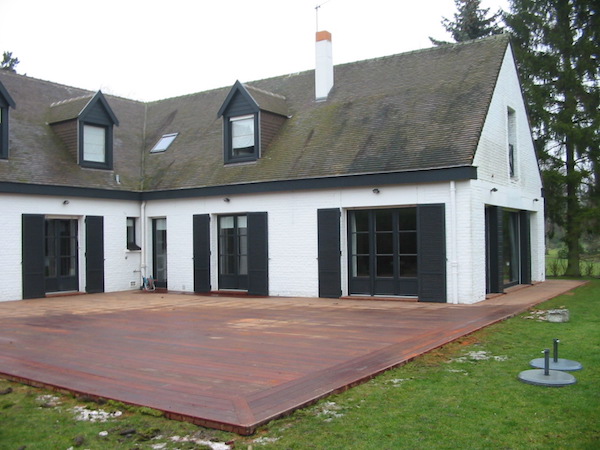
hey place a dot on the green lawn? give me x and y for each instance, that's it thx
(464, 395)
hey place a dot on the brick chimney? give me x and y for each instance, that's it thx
(324, 65)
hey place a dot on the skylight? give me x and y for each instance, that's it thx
(164, 142)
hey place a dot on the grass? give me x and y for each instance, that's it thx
(556, 265)
(463, 395)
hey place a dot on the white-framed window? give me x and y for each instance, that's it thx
(94, 144)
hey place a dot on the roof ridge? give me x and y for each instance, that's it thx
(69, 100)
(501, 36)
(272, 94)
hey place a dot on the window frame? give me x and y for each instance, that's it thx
(230, 157)
(132, 244)
(108, 146)
(511, 138)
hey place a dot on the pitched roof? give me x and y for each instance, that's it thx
(406, 112)
(38, 156)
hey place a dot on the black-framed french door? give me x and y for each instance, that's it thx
(508, 248)
(382, 252)
(233, 252)
(159, 252)
(61, 271)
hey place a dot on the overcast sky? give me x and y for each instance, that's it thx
(155, 49)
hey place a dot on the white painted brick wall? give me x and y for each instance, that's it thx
(521, 192)
(120, 264)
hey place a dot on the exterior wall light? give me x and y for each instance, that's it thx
(494, 190)
(375, 191)
(226, 200)
(66, 202)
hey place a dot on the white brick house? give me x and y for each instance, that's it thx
(412, 176)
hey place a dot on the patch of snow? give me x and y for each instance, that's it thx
(91, 415)
(103, 433)
(329, 410)
(212, 445)
(399, 380)
(537, 315)
(158, 446)
(464, 372)
(480, 355)
(48, 400)
(265, 440)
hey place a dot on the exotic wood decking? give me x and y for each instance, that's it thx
(229, 363)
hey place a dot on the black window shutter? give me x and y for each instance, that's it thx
(33, 256)
(94, 254)
(330, 273)
(431, 234)
(525, 247)
(258, 254)
(201, 253)
(495, 243)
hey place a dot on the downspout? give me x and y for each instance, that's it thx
(143, 240)
(453, 245)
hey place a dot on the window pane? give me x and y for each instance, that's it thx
(360, 266)
(385, 243)
(94, 141)
(408, 266)
(242, 136)
(361, 243)
(360, 221)
(385, 266)
(242, 222)
(164, 143)
(243, 265)
(408, 242)
(383, 220)
(407, 219)
(226, 222)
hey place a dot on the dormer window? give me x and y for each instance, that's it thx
(85, 124)
(242, 137)
(252, 118)
(3, 132)
(6, 102)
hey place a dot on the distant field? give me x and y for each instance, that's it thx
(556, 266)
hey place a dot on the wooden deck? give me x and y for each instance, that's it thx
(229, 363)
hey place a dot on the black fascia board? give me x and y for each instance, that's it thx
(67, 191)
(348, 181)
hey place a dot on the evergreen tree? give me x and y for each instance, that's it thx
(8, 62)
(557, 46)
(470, 22)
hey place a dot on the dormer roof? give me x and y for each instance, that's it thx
(80, 108)
(258, 99)
(5, 98)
